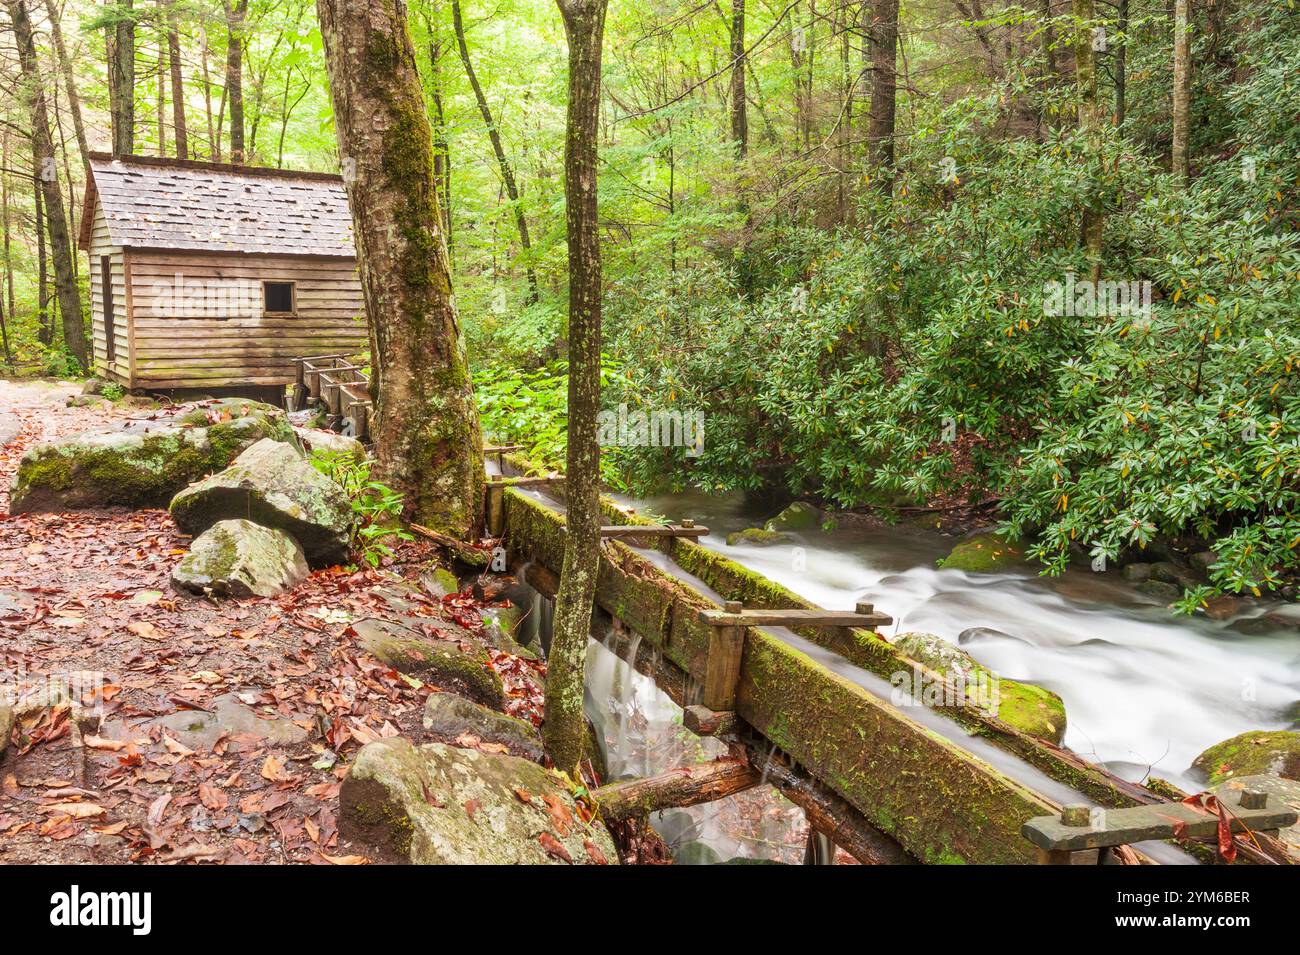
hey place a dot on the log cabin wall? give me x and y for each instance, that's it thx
(200, 322)
(117, 365)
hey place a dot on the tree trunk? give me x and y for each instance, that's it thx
(428, 446)
(739, 110)
(44, 327)
(1182, 89)
(565, 728)
(47, 182)
(441, 147)
(69, 82)
(1121, 63)
(685, 786)
(214, 139)
(4, 201)
(507, 173)
(121, 81)
(1090, 126)
(162, 85)
(235, 15)
(884, 87)
(178, 82)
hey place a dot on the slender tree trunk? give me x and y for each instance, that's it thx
(1090, 125)
(428, 445)
(162, 85)
(214, 139)
(235, 17)
(1182, 88)
(739, 108)
(182, 133)
(69, 82)
(122, 81)
(4, 201)
(494, 134)
(565, 726)
(1121, 63)
(47, 183)
(884, 87)
(45, 327)
(441, 147)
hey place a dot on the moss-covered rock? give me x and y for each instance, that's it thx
(1029, 708)
(6, 726)
(439, 582)
(273, 485)
(1275, 753)
(799, 516)
(449, 717)
(757, 537)
(439, 805)
(442, 663)
(143, 464)
(985, 553)
(241, 559)
(315, 440)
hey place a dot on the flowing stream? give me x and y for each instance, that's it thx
(1144, 691)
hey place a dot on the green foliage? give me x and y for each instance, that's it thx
(377, 506)
(113, 391)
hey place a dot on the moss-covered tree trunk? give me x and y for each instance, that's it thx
(565, 728)
(884, 87)
(236, 17)
(428, 445)
(121, 78)
(1180, 162)
(47, 182)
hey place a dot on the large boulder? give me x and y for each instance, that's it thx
(144, 463)
(450, 718)
(757, 537)
(1029, 708)
(984, 553)
(316, 440)
(1258, 752)
(799, 516)
(241, 559)
(439, 805)
(273, 485)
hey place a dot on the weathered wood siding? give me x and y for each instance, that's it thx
(194, 340)
(100, 246)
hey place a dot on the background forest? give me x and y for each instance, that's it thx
(838, 229)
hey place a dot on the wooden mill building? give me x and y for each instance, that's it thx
(209, 278)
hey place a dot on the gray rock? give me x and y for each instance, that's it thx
(6, 726)
(440, 582)
(273, 485)
(241, 559)
(330, 442)
(439, 805)
(1160, 590)
(757, 537)
(141, 465)
(442, 663)
(1171, 573)
(229, 716)
(1271, 752)
(985, 634)
(93, 386)
(799, 516)
(86, 401)
(696, 853)
(448, 717)
(1136, 573)
(1203, 560)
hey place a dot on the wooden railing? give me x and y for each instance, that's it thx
(338, 386)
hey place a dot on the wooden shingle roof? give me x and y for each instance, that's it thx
(152, 203)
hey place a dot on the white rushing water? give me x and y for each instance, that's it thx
(1144, 691)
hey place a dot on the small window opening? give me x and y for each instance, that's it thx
(278, 297)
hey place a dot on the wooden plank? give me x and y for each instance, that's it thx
(684, 786)
(623, 531)
(703, 721)
(1116, 827)
(797, 617)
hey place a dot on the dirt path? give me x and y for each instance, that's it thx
(165, 729)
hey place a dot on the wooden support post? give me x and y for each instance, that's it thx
(495, 506)
(819, 849)
(726, 645)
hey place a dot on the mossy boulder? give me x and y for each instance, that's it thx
(441, 662)
(273, 485)
(985, 553)
(440, 805)
(1259, 752)
(141, 465)
(1029, 708)
(757, 537)
(440, 582)
(799, 516)
(449, 717)
(6, 726)
(315, 440)
(241, 559)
